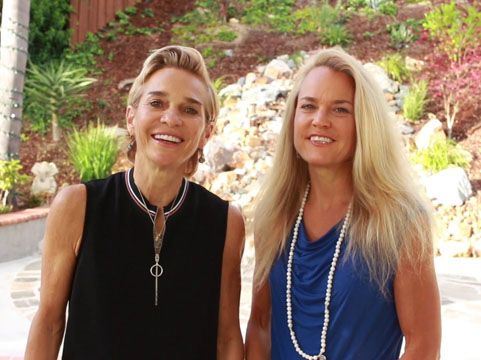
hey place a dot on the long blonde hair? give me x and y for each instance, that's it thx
(390, 217)
(180, 57)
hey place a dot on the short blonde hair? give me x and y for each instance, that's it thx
(180, 57)
(390, 217)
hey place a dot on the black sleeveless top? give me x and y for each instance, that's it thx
(111, 312)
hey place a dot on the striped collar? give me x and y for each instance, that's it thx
(134, 193)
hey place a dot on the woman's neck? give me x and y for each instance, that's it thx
(158, 186)
(331, 187)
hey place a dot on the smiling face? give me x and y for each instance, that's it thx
(169, 122)
(324, 125)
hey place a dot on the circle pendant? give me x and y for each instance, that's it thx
(156, 270)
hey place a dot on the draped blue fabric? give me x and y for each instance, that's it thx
(363, 323)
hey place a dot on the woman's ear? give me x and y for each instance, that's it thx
(129, 116)
(208, 132)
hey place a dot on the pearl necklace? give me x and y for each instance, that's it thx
(330, 280)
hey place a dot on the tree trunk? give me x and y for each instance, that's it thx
(13, 61)
(56, 132)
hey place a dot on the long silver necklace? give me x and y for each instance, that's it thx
(157, 270)
(330, 281)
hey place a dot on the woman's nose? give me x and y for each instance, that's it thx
(321, 118)
(171, 117)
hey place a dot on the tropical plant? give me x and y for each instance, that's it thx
(54, 86)
(441, 154)
(93, 151)
(415, 101)
(10, 179)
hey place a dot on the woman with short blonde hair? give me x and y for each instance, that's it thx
(147, 260)
(338, 213)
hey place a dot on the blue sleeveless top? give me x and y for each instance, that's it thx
(363, 323)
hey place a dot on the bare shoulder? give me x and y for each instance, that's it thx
(66, 215)
(235, 228)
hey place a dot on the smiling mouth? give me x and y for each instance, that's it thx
(321, 139)
(168, 138)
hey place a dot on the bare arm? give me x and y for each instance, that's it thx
(229, 339)
(62, 237)
(419, 311)
(258, 337)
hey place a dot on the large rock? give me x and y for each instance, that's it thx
(277, 69)
(220, 155)
(381, 77)
(449, 186)
(431, 130)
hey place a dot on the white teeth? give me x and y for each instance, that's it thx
(321, 139)
(167, 138)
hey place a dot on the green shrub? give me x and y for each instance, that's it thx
(457, 29)
(10, 179)
(274, 13)
(93, 151)
(49, 33)
(226, 35)
(336, 34)
(315, 19)
(415, 101)
(388, 7)
(395, 66)
(441, 154)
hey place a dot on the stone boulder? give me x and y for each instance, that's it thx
(431, 130)
(449, 186)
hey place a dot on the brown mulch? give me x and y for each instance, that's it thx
(257, 47)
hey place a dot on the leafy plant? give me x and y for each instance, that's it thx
(226, 35)
(148, 12)
(10, 179)
(53, 86)
(315, 18)
(395, 66)
(400, 35)
(49, 33)
(336, 34)
(388, 7)
(83, 55)
(415, 101)
(457, 28)
(93, 151)
(274, 13)
(441, 154)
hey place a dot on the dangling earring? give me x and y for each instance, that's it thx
(131, 148)
(132, 144)
(201, 155)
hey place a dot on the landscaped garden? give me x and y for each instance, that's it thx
(426, 55)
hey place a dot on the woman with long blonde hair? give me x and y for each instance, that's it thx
(343, 239)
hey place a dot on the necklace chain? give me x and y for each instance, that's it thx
(330, 281)
(157, 270)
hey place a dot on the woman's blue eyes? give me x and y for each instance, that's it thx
(336, 109)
